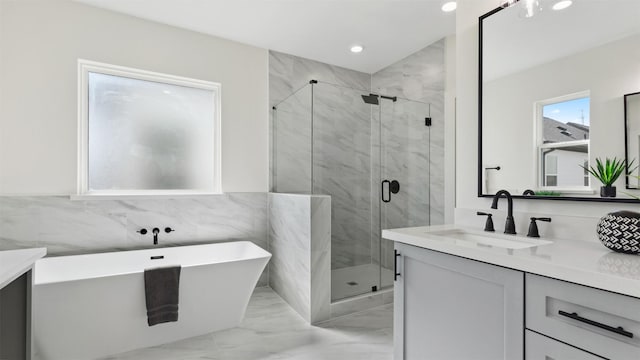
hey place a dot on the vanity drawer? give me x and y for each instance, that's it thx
(538, 347)
(598, 321)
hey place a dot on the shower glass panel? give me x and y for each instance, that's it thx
(404, 159)
(292, 143)
(328, 140)
(342, 168)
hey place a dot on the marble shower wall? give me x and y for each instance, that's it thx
(288, 73)
(300, 241)
(69, 227)
(347, 146)
(342, 168)
(341, 161)
(421, 77)
(291, 143)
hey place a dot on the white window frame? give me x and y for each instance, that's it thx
(84, 68)
(540, 146)
(546, 173)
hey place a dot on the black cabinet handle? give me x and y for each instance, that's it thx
(395, 265)
(388, 192)
(618, 330)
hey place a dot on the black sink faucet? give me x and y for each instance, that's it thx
(510, 226)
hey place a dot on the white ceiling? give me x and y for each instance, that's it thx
(322, 30)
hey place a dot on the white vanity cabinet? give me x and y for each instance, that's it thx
(448, 307)
(451, 307)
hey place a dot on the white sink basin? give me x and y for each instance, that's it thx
(470, 238)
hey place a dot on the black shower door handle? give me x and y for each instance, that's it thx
(388, 191)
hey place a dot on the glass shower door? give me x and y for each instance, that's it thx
(404, 152)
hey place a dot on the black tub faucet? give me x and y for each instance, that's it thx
(510, 226)
(155, 232)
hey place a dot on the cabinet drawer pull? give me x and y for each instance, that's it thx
(618, 330)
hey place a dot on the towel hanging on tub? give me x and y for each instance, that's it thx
(162, 289)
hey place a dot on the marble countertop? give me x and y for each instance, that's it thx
(14, 263)
(582, 262)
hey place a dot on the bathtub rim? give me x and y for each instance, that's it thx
(261, 254)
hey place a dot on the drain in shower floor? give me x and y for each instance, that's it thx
(352, 283)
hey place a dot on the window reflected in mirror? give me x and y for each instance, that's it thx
(563, 126)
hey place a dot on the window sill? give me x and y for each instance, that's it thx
(141, 196)
(569, 190)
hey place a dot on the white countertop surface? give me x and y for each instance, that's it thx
(582, 262)
(14, 263)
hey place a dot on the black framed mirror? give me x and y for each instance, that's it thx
(552, 85)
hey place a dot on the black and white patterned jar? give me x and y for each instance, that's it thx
(620, 231)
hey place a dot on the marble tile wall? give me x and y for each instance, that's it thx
(69, 227)
(341, 162)
(288, 73)
(300, 241)
(356, 145)
(420, 77)
(291, 143)
(342, 168)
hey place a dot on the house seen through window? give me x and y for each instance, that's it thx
(564, 142)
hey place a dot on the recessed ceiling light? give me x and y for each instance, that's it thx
(449, 6)
(357, 49)
(562, 4)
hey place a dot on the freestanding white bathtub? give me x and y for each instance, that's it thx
(90, 306)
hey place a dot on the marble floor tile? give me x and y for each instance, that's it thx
(272, 330)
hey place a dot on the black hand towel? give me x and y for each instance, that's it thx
(162, 289)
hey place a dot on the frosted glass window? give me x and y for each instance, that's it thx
(145, 136)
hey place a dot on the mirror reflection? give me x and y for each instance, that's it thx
(552, 96)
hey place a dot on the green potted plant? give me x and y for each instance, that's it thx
(547, 193)
(608, 172)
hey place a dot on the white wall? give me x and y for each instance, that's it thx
(608, 71)
(467, 127)
(40, 42)
(449, 129)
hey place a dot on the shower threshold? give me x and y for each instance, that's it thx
(361, 302)
(352, 289)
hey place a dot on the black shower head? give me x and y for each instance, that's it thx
(370, 99)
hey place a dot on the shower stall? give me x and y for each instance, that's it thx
(371, 154)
